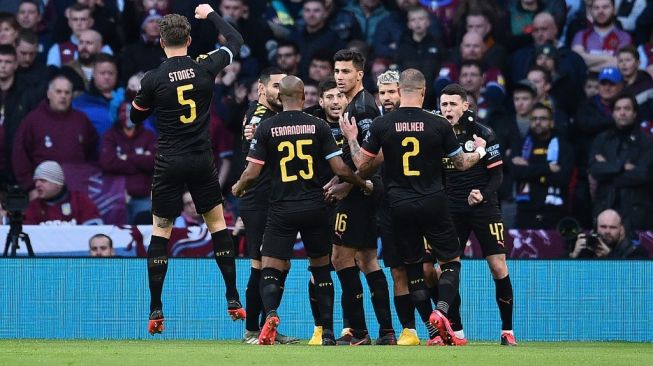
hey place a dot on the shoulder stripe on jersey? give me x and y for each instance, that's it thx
(231, 55)
(255, 161)
(333, 155)
(368, 153)
(139, 107)
(496, 163)
(456, 152)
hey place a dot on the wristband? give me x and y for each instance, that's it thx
(481, 151)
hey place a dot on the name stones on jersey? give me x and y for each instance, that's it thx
(181, 75)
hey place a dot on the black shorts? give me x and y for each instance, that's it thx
(173, 173)
(254, 221)
(486, 223)
(281, 232)
(429, 219)
(391, 255)
(355, 221)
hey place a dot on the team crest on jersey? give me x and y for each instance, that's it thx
(66, 210)
(365, 124)
(469, 145)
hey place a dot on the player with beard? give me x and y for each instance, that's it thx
(388, 84)
(474, 205)
(254, 204)
(414, 142)
(355, 220)
(299, 149)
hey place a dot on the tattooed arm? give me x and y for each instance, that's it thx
(464, 161)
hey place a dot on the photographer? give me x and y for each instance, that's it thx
(609, 240)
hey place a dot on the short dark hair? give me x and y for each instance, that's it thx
(101, 58)
(545, 72)
(592, 75)
(474, 63)
(290, 44)
(628, 96)
(629, 49)
(175, 30)
(10, 19)
(27, 36)
(264, 78)
(354, 56)
(79, 7)
(33, 2)
(323, 55)
(540, 105)
(325, 85)
(455, 89)
(322, 2)
(311, 82)
(7, 49)
(97, 236)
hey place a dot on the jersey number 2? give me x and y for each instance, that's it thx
(188, 102)
(413, 152)
(287, 145)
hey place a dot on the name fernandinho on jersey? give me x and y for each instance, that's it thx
(409, 126)
(292, 130)
(181, 75)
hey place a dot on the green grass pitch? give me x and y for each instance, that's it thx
(189, 353)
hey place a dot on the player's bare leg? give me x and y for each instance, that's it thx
(157, 267)
(224, 255)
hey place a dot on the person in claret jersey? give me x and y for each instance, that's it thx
(55, 204)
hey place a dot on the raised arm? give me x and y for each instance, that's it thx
(233, 38)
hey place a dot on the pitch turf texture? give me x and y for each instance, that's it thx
(158, 353)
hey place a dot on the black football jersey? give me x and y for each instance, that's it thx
(414, 142)
(362, 107)
(459, 183)
(180, 91)
(295, 147)
(256, 197)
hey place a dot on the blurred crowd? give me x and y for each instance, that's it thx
(566, 86)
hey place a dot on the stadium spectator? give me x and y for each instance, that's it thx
(621, 161)
(135, 12)
(472, 79)
(636, 82)
(145, 54)
(342, 22)
(567, 62)
(101, 102)
(53, 131)
(79, 20)
(105, 16)
(101, 245)
(369, 14)
(311, 95)
(80, 71)
(598, 45)
(627, 12)
(288, 58)
(29, 17)
(566, 88)
(591, 86)
(17, 99)
(321, 66)
(542, 170)
(386, 37)
(189, 215)
(418, 49)
(611, 240)
(494, 54)
(8, 29)
(314, 35)
(511, 130)
(55, 204)
(30, 69)
(542, 80)
(128, 150)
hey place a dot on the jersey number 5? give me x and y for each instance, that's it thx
(287, 145)
(413, 152)
(188, 102)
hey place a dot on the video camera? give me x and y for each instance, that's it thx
(16, 201)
